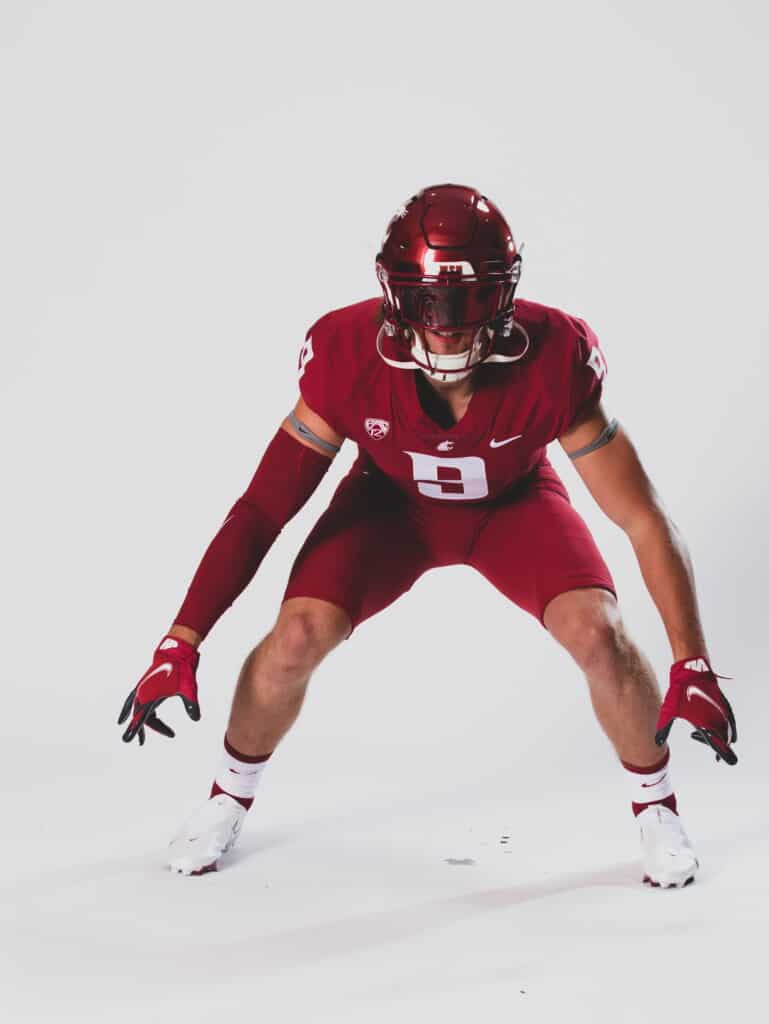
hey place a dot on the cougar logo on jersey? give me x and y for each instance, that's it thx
(377, 429)
(445, 446)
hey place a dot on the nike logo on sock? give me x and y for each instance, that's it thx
(649, 785)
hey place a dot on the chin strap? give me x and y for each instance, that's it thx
(497, 357)
(450, 367)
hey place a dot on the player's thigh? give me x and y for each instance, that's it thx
(362, 554)
(536, 547)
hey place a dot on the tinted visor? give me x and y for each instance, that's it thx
(441, 307)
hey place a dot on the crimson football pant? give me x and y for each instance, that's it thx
(373, 543)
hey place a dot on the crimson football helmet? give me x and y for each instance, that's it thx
(449, 262)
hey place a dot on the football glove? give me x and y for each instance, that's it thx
(171, 674)
(695, 696)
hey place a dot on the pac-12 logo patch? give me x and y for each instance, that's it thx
(377, 429)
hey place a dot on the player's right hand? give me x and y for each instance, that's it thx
(171, 674)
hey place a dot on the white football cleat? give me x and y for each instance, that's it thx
(206, 835)
(668, 858)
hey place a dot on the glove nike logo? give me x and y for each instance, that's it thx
(501, 444)
(166, 667)
(700, 693)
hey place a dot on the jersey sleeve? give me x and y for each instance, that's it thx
(317, 374)
(588, 373)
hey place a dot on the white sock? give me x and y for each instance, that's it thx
(238, 775)
(651, 784)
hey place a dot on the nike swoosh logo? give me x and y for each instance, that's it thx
(166, 667)
(648, 785)
(699, 693)
(501, 444)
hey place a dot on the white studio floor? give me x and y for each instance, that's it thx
(399, 900)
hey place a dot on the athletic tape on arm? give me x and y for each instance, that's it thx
(310, 435)
(603, 438)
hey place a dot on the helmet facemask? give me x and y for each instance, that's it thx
(447, 303)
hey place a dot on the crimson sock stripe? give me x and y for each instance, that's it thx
(246, 758)
(244, 801)
(670, 802)
(650, 769)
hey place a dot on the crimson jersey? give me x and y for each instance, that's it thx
(516, 410)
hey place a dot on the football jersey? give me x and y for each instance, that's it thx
(514, 412)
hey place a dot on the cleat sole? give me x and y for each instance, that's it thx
(667, 885)
(205, 870)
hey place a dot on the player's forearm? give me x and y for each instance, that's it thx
(287, 475)
(227, 567)
(667, 572)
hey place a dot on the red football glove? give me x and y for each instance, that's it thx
(694, 695)
(171, 674)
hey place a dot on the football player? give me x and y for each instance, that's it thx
(452, 389)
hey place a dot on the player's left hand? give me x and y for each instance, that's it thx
(695, 696)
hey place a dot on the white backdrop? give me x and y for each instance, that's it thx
(186, 186)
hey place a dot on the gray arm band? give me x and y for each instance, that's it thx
(603, 438)
(310, 435)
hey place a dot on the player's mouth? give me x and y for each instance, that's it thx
(448, 342)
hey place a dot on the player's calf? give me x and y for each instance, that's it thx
(274, 678)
